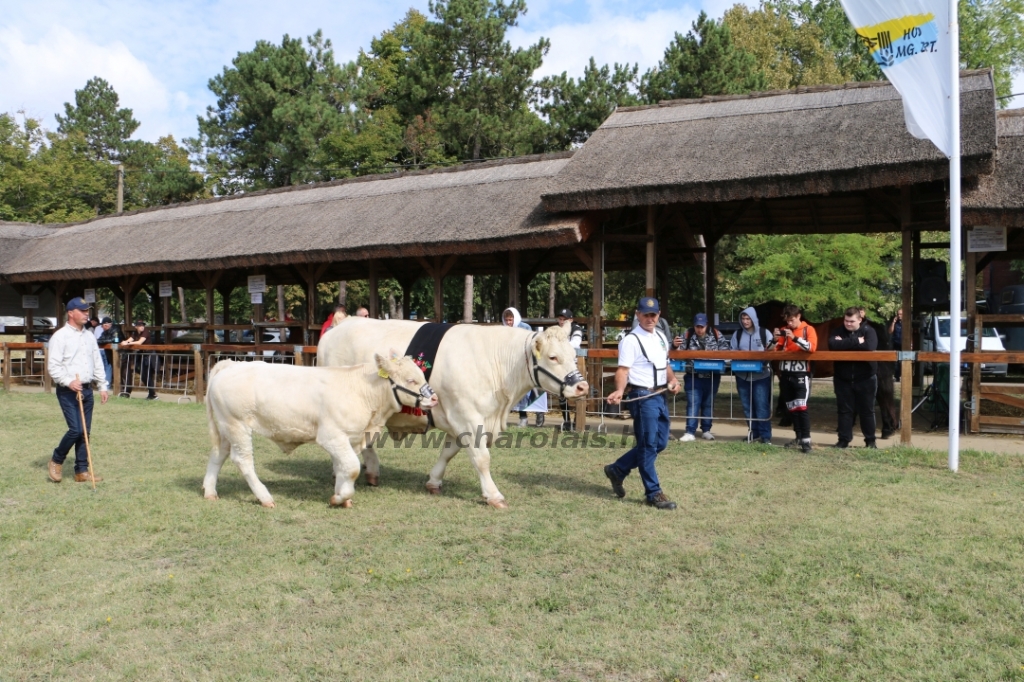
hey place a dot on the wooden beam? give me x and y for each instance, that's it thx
(513, 279)
(448, 264)
(584, 257)
(374, 292)
(652, 256)
(907, 299)
(438, 289)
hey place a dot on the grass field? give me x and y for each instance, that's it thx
(852, 565)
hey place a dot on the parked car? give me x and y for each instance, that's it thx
(935, 338)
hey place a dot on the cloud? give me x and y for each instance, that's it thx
(614, 34)
(39, 77)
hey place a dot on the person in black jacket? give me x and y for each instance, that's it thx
(855, 382)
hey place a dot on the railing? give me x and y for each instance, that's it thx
(172, 369)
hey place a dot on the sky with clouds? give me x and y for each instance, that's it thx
(160, 55)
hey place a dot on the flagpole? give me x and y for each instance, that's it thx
(954, 239)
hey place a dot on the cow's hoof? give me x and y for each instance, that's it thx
(887, 434)
(336, 501)
(498, 503)
(269, 505)
(373, 479)
(212, 496)
(434, 489)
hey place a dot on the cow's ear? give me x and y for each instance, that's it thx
(382, 365)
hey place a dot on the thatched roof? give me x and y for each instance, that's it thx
(469, 209)
(14, 235)
(808, 141)
(999, 197)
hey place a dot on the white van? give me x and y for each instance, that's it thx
(935, 338)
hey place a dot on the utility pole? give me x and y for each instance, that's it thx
(120, 188)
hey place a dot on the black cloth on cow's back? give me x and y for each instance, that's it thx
(424, 345)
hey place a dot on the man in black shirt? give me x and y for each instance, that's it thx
(855, 382)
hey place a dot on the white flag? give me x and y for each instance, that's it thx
(909, 39)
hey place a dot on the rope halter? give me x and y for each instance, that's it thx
(571, 379)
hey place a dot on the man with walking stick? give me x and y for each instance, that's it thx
(74, 354)
(642, 377)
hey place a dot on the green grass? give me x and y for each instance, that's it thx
(851, 565)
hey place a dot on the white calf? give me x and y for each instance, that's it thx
(333, 406)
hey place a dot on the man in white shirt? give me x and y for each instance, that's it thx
(74, 361)
(644, 371)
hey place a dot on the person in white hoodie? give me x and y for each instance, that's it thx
(512, 318)
(755, 388)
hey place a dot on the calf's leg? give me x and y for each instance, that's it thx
(449, 450)
(218, 455)
(241, 455)
(345, 463)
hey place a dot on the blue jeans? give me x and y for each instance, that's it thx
(650, 426)
(700, 393)
(760, 413)
(75, 436)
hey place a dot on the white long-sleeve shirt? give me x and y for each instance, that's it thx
(72, 352)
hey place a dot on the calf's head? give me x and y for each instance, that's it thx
(408, 384)
(553, 364)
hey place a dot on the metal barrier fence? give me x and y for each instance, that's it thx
(166, 371)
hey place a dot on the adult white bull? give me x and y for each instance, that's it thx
(479, 372)
(333, 406)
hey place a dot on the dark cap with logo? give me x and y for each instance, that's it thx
(77, 303)
(565, 312)
(648, 304)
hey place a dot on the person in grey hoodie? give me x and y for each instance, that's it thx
(512, 318)
(755, 388)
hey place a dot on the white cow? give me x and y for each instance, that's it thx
(333, 406)
(479, 373)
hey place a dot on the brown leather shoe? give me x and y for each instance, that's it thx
(54, 471)
(84, 477)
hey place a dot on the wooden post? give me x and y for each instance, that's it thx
(225, 299)
(200, 373)
(973, 342)
(975, 421)
(709, 280)
(581, 405)
(58, 294)
(166, 306)
(297, 353)
(115, 363)
(7, 368)
(211, 335)
(374, 305)
(907, 293)
(438, 290)
(513, 279)
(47, 382)
(467, 299)
(595, 372)
(120, 188)
(652, 236)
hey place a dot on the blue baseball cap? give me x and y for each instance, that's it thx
(700, 320)
(648, 304)
(77, 303)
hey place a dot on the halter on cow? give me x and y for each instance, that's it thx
(571, 379)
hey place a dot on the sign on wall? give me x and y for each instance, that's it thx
(30, 302)
(983, 239)
(89, 295)
(166, 290)
(256, 297)
(257, 284)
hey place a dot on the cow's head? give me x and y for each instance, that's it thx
(553, 363)
(408, 384)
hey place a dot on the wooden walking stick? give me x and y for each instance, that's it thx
(85, 432)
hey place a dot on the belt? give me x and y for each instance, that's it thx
(631, 388)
